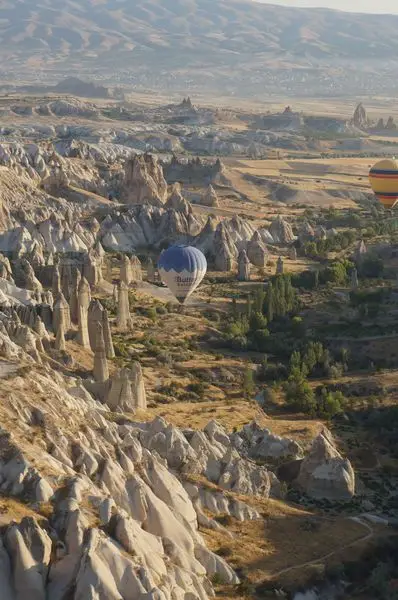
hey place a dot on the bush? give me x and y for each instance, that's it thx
(151, 313)
(269, 398)
(372, 267)
(164, 357)
(335, 371)
(198, 387)
(260, 339)
(258, 321)
(299, 395)
(330, 404)
(248, 383)
(272, 372)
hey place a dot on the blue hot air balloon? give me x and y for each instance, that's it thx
(182, 269)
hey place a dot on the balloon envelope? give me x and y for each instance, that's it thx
(182, 269)
(383, 177)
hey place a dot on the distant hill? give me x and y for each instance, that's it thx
(191, 39)
(77, 87)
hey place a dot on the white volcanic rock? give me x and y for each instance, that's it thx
(210, 197)
(205, 239)
(224, 249)
(30, 548)
(265, 236)
(167, 487)
(241, 231)
(127, 391)
(257, 251)
(14, 294)
(324, 473)
(216, 565)
(177, 201)
(144, 181)
(261, 443)
(281, 231)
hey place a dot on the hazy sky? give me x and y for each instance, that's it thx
(372, 6)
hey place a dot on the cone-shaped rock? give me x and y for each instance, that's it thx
(60, 338)
(56, 282)
(123, 309)
(243, 266)
(101, 373)
(61, 314)
(95, 317)
(110, 352)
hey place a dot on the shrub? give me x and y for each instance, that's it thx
(258, 321)
(372, 266)
(299, 395)
(330, 404)
(269, 397)
(164, 357)
(260, 339)
(248, 383)
(151, 313)
(198, 388)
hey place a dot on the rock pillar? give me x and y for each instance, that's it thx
(101, 373)
(123, 309)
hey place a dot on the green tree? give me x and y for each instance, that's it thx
(258, 321)
(372, 267)
(330, 404)
(270, 303)
(298, 328)
(336, 273)
(299, 395)
(295, 362)
(248, 383)
(249, 305)
(259, 299)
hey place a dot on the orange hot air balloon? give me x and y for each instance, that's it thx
(383, 177)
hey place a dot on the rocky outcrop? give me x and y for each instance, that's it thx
(225, 252)
(125, 270)
(360, 252)
(324, 473)
(354, 279)
(144, 181)
(61, 314)
(100, 371)
(176, 200)
(84, 299)
(60, 338)
(243, 266)
(27, 277)
(127, 391)
(360, 118)
(257, 251)
(306, 232)
(281, 231)
(74, 295)
(280, 267)
(210, 197)
(95, 318)
(92, 268)
(110, 352)
(123, 308)
(263, 444)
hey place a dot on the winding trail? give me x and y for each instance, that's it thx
(365, 538)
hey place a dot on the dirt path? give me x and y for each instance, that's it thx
(365, 538)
